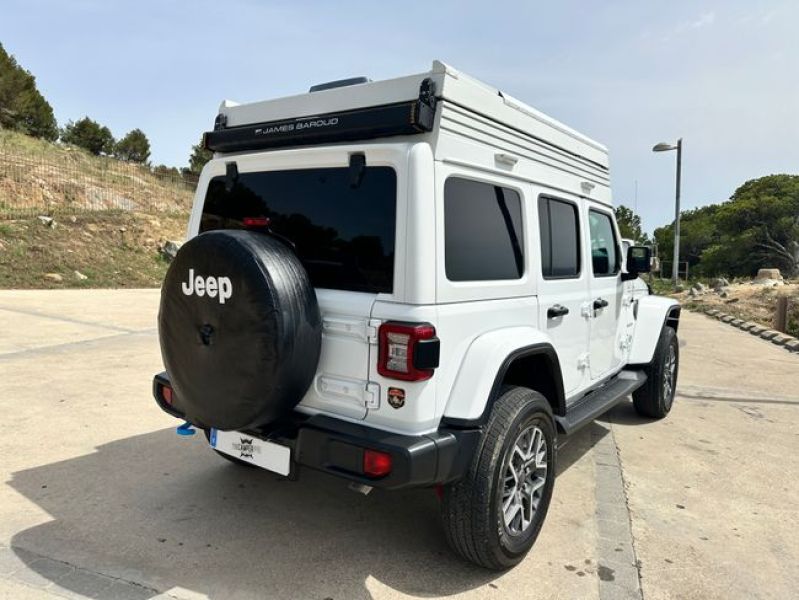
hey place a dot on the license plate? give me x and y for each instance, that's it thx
(261, 453)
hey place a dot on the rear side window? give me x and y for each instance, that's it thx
(560, 238)
(604, 249)
(343, 233)
(483, 238)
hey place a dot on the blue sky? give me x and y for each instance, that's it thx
(720, 74)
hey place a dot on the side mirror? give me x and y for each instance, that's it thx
(639, 260)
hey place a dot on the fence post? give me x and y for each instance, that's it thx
(781, 314)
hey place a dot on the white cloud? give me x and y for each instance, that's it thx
(704, 20)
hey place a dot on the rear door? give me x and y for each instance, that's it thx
(563, 288)
(607, 292)
(341, 223)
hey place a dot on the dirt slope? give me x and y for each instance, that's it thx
(111, 249)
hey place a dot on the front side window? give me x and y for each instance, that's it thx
(560, 238)
(343, 233)
(604, 249)
(483, 237)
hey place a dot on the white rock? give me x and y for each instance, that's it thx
(170, 248)
(720, 283)
(768, 282)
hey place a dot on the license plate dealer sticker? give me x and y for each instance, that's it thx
(267, 455)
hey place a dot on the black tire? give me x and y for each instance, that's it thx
(472, 507)
(244, 359)
(655, 398)
(233, 459)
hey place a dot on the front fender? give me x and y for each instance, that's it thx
(485, 358)
(652, 313)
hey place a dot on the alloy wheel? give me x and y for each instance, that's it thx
(524, 478)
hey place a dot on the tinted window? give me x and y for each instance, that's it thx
(560, 238)
(604, 251)
(482, 231)
(343, 233)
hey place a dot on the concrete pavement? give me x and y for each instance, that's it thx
(102, 500)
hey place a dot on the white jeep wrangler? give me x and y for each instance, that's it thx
(413, 282)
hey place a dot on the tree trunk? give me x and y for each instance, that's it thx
(793, 250)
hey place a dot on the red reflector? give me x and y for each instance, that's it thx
(166, 392)
(376, 463)
(256, 221)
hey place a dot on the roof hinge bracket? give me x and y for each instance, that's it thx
(425, 113)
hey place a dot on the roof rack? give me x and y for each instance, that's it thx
(398, 118)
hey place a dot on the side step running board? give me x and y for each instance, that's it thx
(600, 401)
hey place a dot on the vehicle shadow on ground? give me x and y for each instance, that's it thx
(624, 414)
(167, 513)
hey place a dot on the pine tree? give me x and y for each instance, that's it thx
(199, 156)
(89, 135)
(22, 107)
(134, 147)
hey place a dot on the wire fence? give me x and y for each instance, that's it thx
(69, 184)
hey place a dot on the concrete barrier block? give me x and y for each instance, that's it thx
(757, 330)
(768, 274)
(727, 319)
(746, 326)
(793, 345)
(737, 322)
(769, 334)
(712, 312)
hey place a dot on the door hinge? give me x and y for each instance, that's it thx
(586, 310)
(625, 342)
(367, 394)
(583, 361)
(371, 396)
(372, 329)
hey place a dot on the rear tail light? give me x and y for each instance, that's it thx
(166, 394)
(408, 351)
(376, 463)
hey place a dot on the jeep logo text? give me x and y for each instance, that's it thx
(213, 287)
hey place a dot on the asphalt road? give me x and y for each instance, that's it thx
(101, 499)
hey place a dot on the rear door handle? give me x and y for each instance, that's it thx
(600, 303)
(558, 310)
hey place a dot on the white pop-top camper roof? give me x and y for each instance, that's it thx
(331, 108)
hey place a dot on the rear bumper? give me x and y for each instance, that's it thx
(336, 447)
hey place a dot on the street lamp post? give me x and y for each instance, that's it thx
(663, 147)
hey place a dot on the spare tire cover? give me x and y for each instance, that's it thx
(240, 329)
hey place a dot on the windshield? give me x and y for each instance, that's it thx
(343, 231)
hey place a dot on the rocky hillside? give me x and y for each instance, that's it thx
(91, 249)
(40, 177)
(753, 301)
(70, 219)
